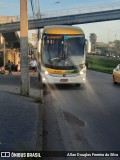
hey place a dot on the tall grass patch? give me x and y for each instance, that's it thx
(105, 65)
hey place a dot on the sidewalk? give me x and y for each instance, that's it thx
(20, 117)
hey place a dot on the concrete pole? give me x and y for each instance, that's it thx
(24, 66)
(39, 38)
(4, 50)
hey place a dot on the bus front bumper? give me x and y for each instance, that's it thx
(61, 79)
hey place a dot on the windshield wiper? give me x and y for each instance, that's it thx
(57, 59)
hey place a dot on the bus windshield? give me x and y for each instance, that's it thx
(62, 51)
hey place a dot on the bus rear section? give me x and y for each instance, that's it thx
(63, 55)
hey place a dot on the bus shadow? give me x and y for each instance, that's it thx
(49, 87)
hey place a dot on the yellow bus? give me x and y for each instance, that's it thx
(63, 55)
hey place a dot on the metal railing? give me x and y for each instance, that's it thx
(58, 13)
(81, 10)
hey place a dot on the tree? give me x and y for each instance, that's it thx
(117, 45)
(93, 39)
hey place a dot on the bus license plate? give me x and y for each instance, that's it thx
(63, 80)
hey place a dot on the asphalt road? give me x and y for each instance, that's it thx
(85, 118)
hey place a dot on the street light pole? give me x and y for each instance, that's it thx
(24, 67)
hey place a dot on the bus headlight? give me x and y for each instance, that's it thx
(46, 72)
(43, 79)
(81, 72)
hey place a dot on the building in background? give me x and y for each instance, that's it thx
(8, 19)
(9, 43)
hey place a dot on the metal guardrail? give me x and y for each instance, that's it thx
(90, 9)
(65, 20)
(82, 10)
(74, 11)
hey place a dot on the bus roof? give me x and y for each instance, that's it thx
(63, 29)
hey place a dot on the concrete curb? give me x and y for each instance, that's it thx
(39, 139)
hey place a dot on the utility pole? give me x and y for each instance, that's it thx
(38, 45)
(39, 9)
(38, 49)
(25, 80)
(39, 16)
(4, 51)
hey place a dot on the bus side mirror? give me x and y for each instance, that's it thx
(86, 46)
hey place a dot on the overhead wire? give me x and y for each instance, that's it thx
(33, 5)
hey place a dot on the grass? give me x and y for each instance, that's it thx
(105, 65)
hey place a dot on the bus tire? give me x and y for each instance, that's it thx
(41, 96)
(39, 77)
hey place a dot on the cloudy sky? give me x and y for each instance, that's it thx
(105, 31)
